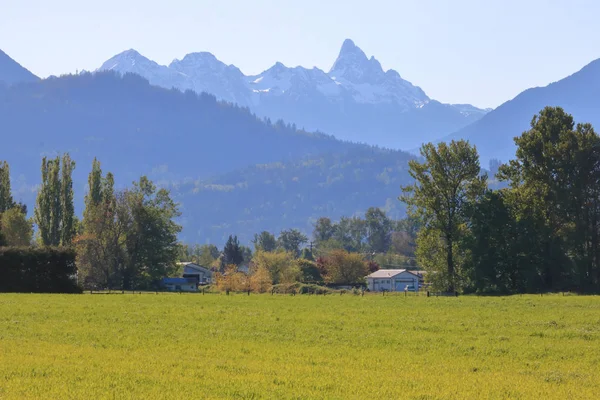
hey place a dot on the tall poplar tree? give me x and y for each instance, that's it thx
(68, 219)
(6, 200)
(94, 196)
(54, 213)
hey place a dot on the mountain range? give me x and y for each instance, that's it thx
(356, 100)
(231, 171)
(578, 94)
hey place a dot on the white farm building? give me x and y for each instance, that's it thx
(202, 275)
(393, 280)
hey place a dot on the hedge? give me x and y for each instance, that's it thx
(38, 270)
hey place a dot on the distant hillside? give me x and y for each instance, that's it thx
(181, 140)
(578, 94)
(12, 72)
(279, 196)
(356, 100)
(136, 128)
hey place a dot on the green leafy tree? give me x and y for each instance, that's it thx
(6, 200)
(379, 230)
(246, 254)
(310, 273)
(54, 213)
(95, 182)
(307, 254)
(205, 255)
(343, 267)
(264, 241)
(100, 246)
(151, 245)
(445, 183)
(557, 172)
(16, 228)
(350, 234)
(324, 230)
(291, 241)
(68, 224)
(280, 265)
(48, 210)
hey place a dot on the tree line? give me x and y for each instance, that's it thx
(126, 239)
(540, 233)
(338, 253)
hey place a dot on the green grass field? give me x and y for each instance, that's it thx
(298, 347)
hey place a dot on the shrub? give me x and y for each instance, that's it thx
(38, 270)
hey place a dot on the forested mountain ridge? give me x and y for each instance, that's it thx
(356, 100)
(136, 128)
(493, 134)
(277, 196)
(183, 141)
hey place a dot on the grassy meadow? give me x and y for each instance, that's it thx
(298, 347)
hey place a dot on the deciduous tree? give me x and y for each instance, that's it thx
(343, 267)
(291, 241)
(16, 228)
(445, 183)
(265, 241)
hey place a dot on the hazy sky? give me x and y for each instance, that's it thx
(482, 52)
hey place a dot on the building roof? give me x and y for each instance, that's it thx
(388, 273)
(194, 266)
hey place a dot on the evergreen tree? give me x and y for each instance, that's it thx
(232, 252)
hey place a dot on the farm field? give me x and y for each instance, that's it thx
(298, 347)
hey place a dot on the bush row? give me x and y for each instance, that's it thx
(38, 270)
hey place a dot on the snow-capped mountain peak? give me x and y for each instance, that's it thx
(356, 88)
(353, 65)
(128, 59)
(369, 83)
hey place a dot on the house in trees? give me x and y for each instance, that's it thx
(393, 280)
(202, 275)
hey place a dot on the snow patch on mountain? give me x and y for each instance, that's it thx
(347, 101)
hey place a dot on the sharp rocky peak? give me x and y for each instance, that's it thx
(353, 64)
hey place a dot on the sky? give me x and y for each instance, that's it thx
(482, 52)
